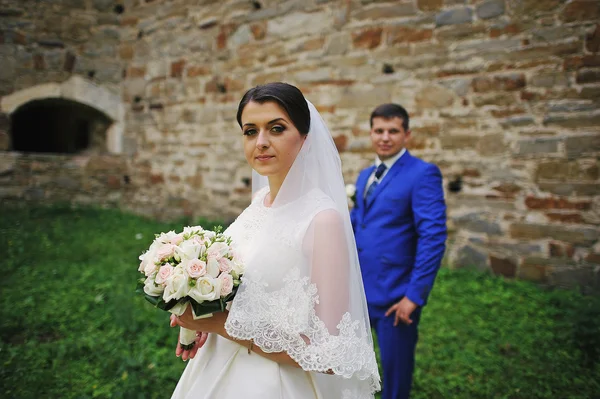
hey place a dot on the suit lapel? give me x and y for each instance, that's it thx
(361, 186)
(391, 174)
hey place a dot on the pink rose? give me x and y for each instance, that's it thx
(196, 268)
(225, 265)
(164, 273)
(177, 239)
(218, 250)
(226, 284)
(165, 251)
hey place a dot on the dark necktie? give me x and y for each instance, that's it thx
(378, 173)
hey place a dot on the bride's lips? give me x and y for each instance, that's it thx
(264, 157)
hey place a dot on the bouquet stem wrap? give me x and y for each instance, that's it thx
(187, 338)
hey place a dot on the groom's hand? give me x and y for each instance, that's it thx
(402, 311)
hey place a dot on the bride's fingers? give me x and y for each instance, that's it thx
(178, 349)
(173, 322)
(202, 340)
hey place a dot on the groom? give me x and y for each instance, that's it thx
(399, 221)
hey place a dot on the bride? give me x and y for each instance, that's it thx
(298, 326)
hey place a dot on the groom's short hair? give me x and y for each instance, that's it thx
(389, 111)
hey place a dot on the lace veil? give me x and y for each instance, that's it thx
(303, 292)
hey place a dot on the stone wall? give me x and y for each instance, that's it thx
(504, 97)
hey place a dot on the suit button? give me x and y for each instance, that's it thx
(362, 226)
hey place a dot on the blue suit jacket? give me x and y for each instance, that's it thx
(401, 233)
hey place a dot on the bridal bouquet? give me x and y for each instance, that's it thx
(196, 267)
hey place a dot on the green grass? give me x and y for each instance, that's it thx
(71, 325)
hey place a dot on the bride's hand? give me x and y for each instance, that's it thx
(212, 324)
(201, 338)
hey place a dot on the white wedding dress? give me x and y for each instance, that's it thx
(223, 369)
(301, 293)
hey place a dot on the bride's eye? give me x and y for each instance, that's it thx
(249, 132)
(278, 129)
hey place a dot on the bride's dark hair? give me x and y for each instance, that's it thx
(289, 97)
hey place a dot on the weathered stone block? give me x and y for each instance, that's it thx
(579, 120)
(565, 217)
(38, 62)
(367, 38)
(477, 222)
(592, 41)
(451, 33)
(505, 28)
(531, 8)
(434, 97)
(581, 10)
(508, 82)
(539, 146)
(564, 171)
(490, 9)
(590, 93)
(459, 142)
(430, 5)
(493, 144)
(460, 87)
(469, 256)
(136, 72)
(558, 249)
(126, 52)
(508, 112)
(578, 145)
(549, 79)
(453, 17)
(575, 62)
(556, 203)
(407, 34)
(572, 106)
(294, 24)
(503, 266)
(571, 277)
(588, 76)
(533, 269)
(385, 11)
(531, 231)
(102, 5)
(177, 68)
(566, 189)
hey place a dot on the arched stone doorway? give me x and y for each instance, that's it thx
(56, 125)
(64, 117)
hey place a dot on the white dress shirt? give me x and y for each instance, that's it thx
(388, 163)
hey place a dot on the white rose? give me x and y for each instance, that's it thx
(206, 289)
(238, 268)
(212, 267)
(165, 238)
(225, 265)
(226, 284)
(147, 264)
(151, 288)
(218, 250)
(195, 268)
(209, 234)
(192, 229)
(350, 190)
(189, 249)
(165, 251)
(176, 286)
